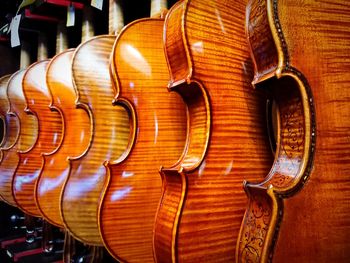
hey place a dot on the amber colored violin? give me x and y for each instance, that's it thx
(202, 204)
(300, 212)
(159, 120)
(109, 133)
(24, 128)
(38, 99)
(74, 142)
(4, 105)
(76, 130)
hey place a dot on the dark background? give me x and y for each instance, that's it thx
(29, 28)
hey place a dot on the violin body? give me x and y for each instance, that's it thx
(132, 196)
(4, 105)
(76, 130)
(108, 139)
(38, 100)
(202, 204)
(302, 206)
(23, 130)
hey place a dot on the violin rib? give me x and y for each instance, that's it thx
(203, 201)
(300, 53)
(38, 99)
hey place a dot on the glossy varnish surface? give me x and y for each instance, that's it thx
(76, 136)
(130, 202)
(38, 100)
(108, 139)
(313, 48)
(4, 106)
(203, 199)
(25, 133)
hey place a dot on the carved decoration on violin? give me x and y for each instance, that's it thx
(202, 197)
(304, 193)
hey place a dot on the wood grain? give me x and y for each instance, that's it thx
(203, 200)
(4, 106)
(109, 132)
(38, 99)
(25, 133)
(304, 201)
(108, 138)
(134, 185)
(75, 141)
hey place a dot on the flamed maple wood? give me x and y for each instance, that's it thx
(24, 132)
(38, 99)
(110, 132)
(4, 106)
(203, 201)
(9, 131)
(131, 199)
(75, 125)
(109, 137)
(76, 130)
(300, 212)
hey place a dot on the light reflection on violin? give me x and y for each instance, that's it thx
(131, 199)
(38, 98)
(202, 201)
(110, 127)
(25, 129)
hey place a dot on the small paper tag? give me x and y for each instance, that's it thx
(14, 31)
(70, 15)
(97, 4)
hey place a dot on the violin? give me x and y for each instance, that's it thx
(76, 130)
(202, 202)
(159, 122)
(299, 212)
(6, 136)
(75, 140)
(109, 135)
(23, 128)
(38, 100)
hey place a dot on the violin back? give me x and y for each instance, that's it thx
(77, 133)
(134, 185)
(203, 200)
(38, 99)
(25, 132)
(303, 203)
(108, 139)
(4, 106)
